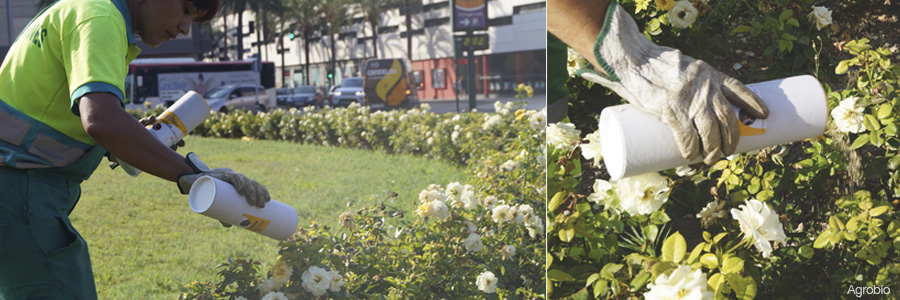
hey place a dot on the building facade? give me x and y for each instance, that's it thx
(515, 54)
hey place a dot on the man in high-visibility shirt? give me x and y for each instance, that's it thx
(61, 110)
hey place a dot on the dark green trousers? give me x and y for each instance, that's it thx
(41, 254)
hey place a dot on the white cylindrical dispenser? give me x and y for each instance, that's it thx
(219, 200)
(173, 124)
(634, 142)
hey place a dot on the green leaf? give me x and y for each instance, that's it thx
(709, 261)
(836, 223)
(788, 37)
(559, 275)
(717, 282)
(740, 29)
(860, 141)
(674, 248)
(823, 240)
(879, 210)
(732, 265)
(884, 110)
(659, 217)
(567, 232)
(785, 14)
(609, 271)
(842, 67)
(556, 201)
(890, 129)
(640, 280)
(695, 254)
(872, 123)
(806, 252)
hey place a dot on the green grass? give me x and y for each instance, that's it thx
(146, 243)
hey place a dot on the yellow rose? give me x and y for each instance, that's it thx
(665, 4)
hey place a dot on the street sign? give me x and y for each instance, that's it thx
(469, 15)
(472, 42)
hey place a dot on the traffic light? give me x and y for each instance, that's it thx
(330, 73)
(291, 35)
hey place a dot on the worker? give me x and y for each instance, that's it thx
(61, 110)
(688, 95)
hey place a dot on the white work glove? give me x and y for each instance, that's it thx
(688, 95)
(255, 193)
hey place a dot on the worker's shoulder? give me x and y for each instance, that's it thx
(80, 11)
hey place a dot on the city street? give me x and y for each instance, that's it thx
(483, 104)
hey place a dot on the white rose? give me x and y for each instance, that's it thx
(487, 282)
(489, 202)
(473, 242)
(500, 213)
(760, 224)
(642, 194)
(821, 15)
(274, 296)
(563, 136)
(335, 283)
(575, 62)
(316, 280)
(709, 214)
(680, 284)
(601, 194)
(440, 210)
(538, 120)
(507, 252)
(683, 14)
(592, 149)
(848, 117)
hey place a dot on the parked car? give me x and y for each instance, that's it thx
(331, 93)
(304, 95)
(351, 90)
(283, 96)
(228, 97)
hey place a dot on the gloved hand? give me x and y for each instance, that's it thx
(255, 193)
(687, 94)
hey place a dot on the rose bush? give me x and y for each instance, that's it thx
(811, 219)
(453, 246)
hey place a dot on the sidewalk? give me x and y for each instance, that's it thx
(483, 103)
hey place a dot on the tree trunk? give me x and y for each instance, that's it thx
(240, 35)
(408, 31)
(306, 36)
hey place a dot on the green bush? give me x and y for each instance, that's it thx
(491, 224)
(825, 208)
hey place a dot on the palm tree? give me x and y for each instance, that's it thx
(334, 16)
(410, 7)
(306, 17)
(235, 7)
(372, 15)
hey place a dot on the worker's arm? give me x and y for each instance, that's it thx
(577, 23)
(119, 133)
(123, 136)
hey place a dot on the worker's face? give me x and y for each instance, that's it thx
(162, 20)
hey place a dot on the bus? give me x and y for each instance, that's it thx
(152, 82)
(390, 84)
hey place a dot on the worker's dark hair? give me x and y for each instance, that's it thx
(210, 8)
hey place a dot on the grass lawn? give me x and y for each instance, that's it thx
(146, 243)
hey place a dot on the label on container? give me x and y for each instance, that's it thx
(749, 125)
(254, 223)
(169, 117)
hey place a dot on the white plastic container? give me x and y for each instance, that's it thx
(173, 124)
(634, 142)
(219, 200)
